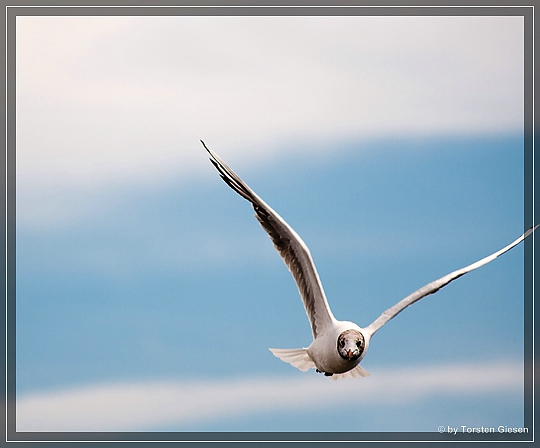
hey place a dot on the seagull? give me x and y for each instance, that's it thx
(338, 346)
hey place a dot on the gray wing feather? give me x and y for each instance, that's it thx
(433, 287)
(290, 246)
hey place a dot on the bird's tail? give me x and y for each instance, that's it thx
(357, 372)
(296, 357)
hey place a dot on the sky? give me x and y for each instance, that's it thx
(148, 295)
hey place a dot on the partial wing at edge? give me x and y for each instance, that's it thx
(290, 246)
(433, 287)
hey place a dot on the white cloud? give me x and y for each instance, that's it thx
(149, 405)
(105, 103)
(108, 99)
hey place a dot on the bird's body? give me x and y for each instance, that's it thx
(323, 350)
(338, 346)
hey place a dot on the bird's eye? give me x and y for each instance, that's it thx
(342, 343)
(358, 343)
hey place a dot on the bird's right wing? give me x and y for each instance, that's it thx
(290, 246)
(433, 287)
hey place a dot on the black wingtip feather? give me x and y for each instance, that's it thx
(530, 230)
(229, 176)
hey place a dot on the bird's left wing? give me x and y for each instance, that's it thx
(290, 246)
(433, 287)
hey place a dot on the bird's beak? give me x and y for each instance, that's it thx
(350, 354)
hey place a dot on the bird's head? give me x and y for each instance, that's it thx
(351, 345)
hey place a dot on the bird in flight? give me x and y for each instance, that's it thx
(338, 346)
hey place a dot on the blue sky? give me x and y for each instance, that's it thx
(144, 282)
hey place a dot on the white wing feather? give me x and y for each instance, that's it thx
(433, 287)
(290, 246)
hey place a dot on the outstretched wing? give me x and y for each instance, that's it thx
(433, 287)
(290, 246)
